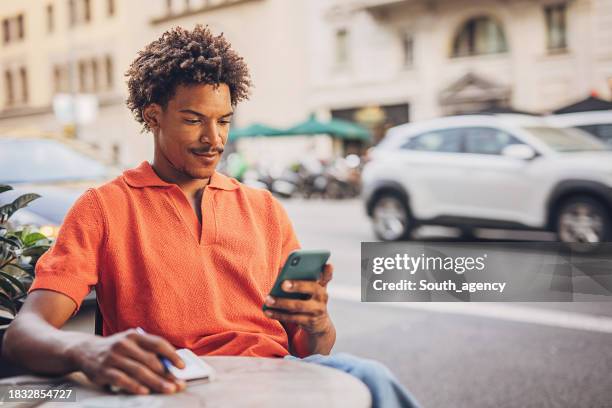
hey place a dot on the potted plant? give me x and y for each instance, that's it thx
(20, 249)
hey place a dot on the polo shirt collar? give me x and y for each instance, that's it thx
(144, 176)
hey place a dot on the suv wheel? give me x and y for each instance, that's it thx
(582, 222)
(391, 219)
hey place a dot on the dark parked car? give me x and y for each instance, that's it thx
(56, 170)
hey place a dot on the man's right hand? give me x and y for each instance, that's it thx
(129, 360)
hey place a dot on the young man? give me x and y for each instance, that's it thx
(178, 249)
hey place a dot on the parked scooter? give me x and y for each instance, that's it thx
(310, 178)
(343, 178)
(286, 185)
(313, 182)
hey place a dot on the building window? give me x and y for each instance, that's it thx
(16, 85)
(342, 44)
(110, 7)
(13, 28)
(6, 30)
(10, 90)
(108, 62)
(23, 75)
(50, 22)
(556, 27)
(60, 78)
(94, 75)
(87, 10)
(82, 76)
(116, 153)
(479, 36)
(20, 27)
(407, 49)
(72, 13)
(57, 79)
(79, 12)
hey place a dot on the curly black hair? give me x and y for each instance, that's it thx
(183, 57)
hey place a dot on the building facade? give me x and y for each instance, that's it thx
(51, 47)
(392, 61)
(377, 62)
(68, 47)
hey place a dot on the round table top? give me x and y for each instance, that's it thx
(239, 382)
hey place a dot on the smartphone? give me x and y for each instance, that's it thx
(300, 265)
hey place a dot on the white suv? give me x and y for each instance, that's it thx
(490, 171)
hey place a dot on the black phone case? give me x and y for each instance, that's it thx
(300, 265)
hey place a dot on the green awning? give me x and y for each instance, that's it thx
(349, 130)
(341, 129)
(256, 129)
(337, 128)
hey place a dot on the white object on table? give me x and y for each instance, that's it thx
(195, 368)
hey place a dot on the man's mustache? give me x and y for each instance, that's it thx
(209, 149)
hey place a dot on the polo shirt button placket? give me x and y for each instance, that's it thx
(184, 212)
(208, 229)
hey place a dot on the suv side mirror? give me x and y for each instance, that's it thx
(519, 151)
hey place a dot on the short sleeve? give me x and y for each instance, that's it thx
(71, 265)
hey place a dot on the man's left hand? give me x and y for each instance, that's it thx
(310, 314)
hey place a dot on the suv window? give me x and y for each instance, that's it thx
(482, 140)
(567, 140)
(446, 140)
(603, 131)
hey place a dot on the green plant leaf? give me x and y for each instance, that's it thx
(5, 253)
(6, 317)
(13, 236)
(27, 283)
(24, 282)
(14, 280)
(11, 240)
(7, 303)
(36, 250)
(24, 200)
(7, 287)
(27, 270)
(5, 212)
(32, 238)
(9, 209)
(18, 235)
(5, 321)
(5, 187)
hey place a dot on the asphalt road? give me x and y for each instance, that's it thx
(463, 355)
(458, 355)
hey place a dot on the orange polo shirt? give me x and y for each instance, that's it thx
(138, 241)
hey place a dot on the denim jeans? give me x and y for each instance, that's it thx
(385, 389)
